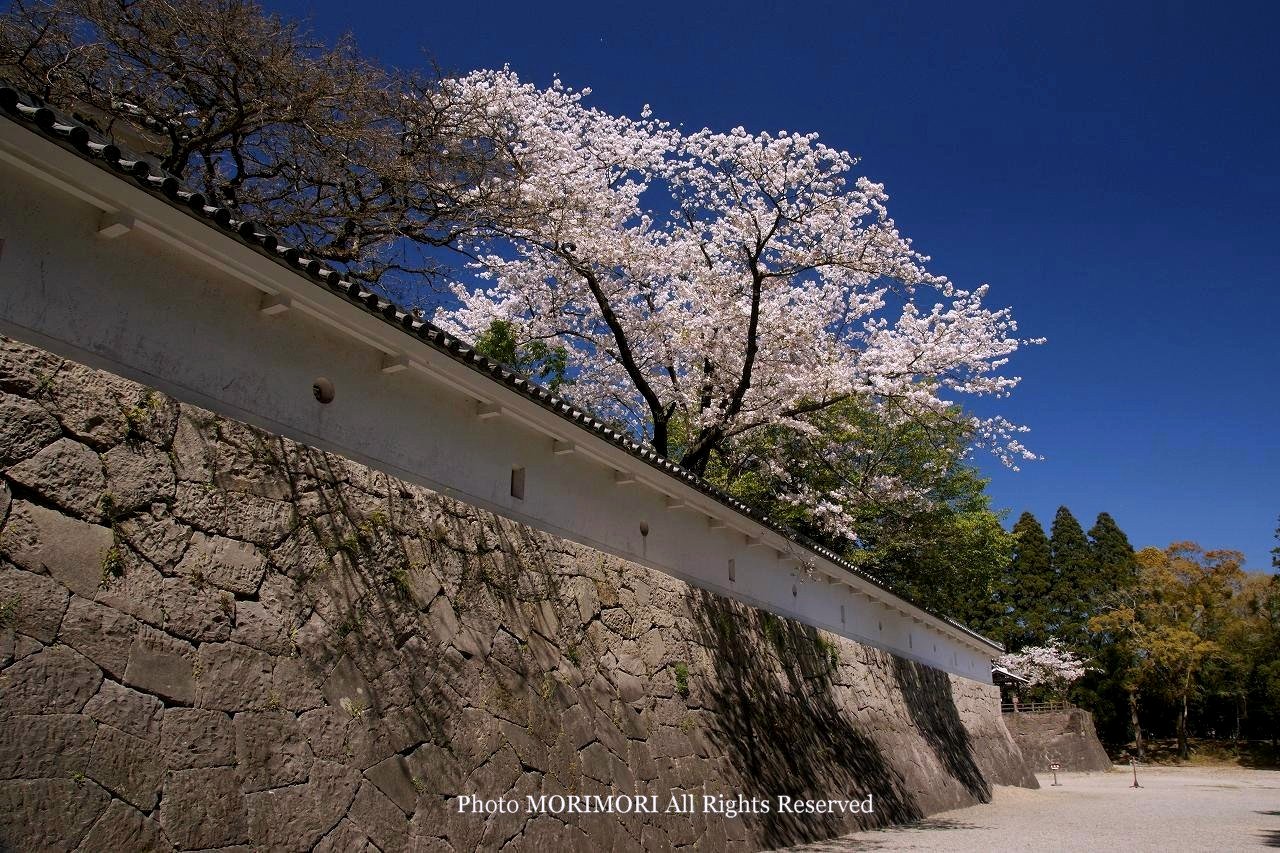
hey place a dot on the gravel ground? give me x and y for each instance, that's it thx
(1178, 808)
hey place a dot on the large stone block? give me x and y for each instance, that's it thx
(297, 817)
(46, 541)
(25, 427)
(55, 814)
(56, 680)
(44, 746)
(137, 475)
(199, 613)
(128, 710)
(102, 634)
(139, 592)
(123, 828)
(195, 737)
(224, 563)
(156, 536)
(203, 808)
(67, 474)
(239, 516)
(34, 603)
(127, 766)
(271, 750)
(234, 678)
(161, 665)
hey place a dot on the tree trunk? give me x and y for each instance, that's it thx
(1137, 727)
(1184, 750)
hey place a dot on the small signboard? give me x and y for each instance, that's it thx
(1055, 767)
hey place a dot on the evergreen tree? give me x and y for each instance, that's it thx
(1030, 584)
(1104, 689)
(1114, 564)
(1074, 579)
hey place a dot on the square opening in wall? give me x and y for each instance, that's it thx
(517, 483)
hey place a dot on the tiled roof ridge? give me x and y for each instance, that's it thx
(91, 145)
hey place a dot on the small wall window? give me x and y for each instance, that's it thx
(517, 483)
(880, 625)
(841, 614)
(733, 570)
(911, 642)
(794, 591)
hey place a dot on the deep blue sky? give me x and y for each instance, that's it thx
(1109, 168)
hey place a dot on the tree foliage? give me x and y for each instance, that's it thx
(711, 286)
(1174, 620)
(358, 165)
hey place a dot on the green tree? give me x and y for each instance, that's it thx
(931, 533)
(1114, 563)
(1074, 579)
(1103, 689)
(1174, 622)
(1029, 585)
(533, 358)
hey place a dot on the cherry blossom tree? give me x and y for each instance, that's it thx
(707, 285)
(1052, 666)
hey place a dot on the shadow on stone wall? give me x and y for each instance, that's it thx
(779, 718)
(211, 636)
(927, 692)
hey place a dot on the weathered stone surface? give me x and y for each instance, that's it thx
(394, 779)
(326, 731)
(192, 448)
(65, 473)
(123, 828)
(161, 665)
(56, 680)
(46, 541)
(127, 766)
(203, 808)
(384, 649)
(102, 634)
(198, 613)
(128, 710)
(47, 745)
(26, 370)
(297, 817)
(55, 813)
(1066, 737)
(234, 678)
(271, 750)
(380, 819)
(225, 563)
(293, 687)
(156, 536)
(6, 500)
(346, 837)
(34, 603)
(25, 427)
(194, 737)
(137, 475)
(139, 592)
(261, 627)
(244, 517)
(91, 404)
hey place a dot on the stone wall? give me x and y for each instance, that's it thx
(1067, 737)
(212, 637)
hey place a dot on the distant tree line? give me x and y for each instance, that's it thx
(1179, 641)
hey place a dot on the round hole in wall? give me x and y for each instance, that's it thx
(323, 390)
(644, 528)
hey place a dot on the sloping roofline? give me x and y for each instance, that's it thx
(90, 145)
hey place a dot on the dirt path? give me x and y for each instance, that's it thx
(1176, 809)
